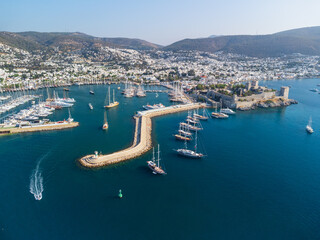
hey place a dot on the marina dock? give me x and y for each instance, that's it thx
(142, 141)
(37, 128)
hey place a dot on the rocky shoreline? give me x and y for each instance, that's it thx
(276, 102)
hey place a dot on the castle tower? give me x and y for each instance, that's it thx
(255, 84)
(248, 86)
(284, 92)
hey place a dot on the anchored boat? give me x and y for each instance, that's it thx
(113, 103)
(156, 168)
(190, 153)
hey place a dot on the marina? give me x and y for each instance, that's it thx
(142, 138)
(231, 185)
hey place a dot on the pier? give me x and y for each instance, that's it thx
(37, 128)
(142, 141)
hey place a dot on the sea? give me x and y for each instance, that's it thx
(260, 178)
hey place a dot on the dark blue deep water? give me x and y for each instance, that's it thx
(261, 179)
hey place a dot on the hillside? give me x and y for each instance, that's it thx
(303, 40)
(31, 41)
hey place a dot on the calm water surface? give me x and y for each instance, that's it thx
(261, 179)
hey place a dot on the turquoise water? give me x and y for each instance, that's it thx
(261, 179)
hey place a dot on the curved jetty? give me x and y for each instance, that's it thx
(142, 141)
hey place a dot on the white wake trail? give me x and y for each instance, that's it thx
(36, 180)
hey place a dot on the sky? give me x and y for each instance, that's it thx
(161, 22)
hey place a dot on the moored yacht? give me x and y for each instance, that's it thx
(227, 111)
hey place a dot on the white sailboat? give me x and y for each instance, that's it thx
(190, 153)
(156, 168)
(309, 128)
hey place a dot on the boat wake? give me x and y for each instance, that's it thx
(36, 181)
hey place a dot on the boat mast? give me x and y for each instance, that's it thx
(195, 142)
(158, 155)
(113, 95)
(109, 95)
(153, 158)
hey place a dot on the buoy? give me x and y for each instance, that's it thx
(120, 194)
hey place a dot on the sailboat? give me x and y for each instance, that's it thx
(203, 117)
(219, 115)
(309, 128)
(183, 134)
(113, 103)
(105, 124)
(156, 168)
(189, 153)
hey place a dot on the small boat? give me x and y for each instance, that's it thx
(227, 111)
(66, 89)
(314, 90)
(90, 106)
(120, 194)
(105, 124)
(156, 168)
(91, 92)
(113, 103)
(309, 128)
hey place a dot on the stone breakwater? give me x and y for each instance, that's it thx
(142, 141)
(44, 127)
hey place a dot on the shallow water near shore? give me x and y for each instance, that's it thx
(259, 181)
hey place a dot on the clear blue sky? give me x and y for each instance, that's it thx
(161, 22)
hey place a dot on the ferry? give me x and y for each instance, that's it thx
(156, 168)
